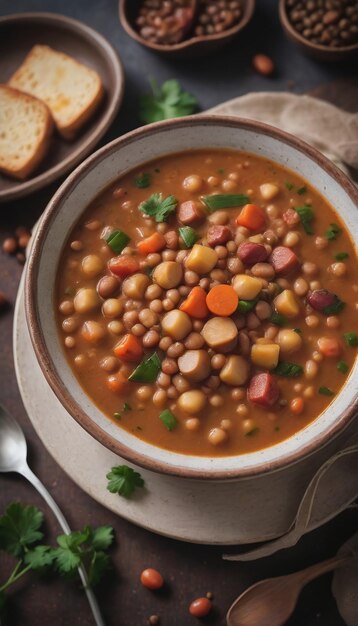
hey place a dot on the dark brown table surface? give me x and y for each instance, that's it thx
(190, 571)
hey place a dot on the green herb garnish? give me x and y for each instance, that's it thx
(147, 371)
(221, 170)
(290, 370)
(169, 420)
(289, 186)
(127, 407)
(332, 232)
(117, 240)
(298, 331)
(335, 307)
(301, 191)
(342, 367)
(224, 201)
(245, 306)
(21, 536)
(149, 271)
(278, 319)
(252, 432)
(188, 235)
(351, 339)
(143, 180)
(123, 480)
(326, 391)
(340, 256)
(118, 416)
(158, 207)
(165, 102)
(306, 216)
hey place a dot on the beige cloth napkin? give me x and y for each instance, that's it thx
(326, 127)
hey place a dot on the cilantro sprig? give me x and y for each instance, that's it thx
(21, 536)
(158, 207)
(306, 216)
(123, 480)
(165, 102)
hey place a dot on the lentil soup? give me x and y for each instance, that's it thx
(208, 302)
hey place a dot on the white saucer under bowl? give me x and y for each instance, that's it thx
(191, 510)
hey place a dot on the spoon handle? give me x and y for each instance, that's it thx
(32, 478)
(318, 569)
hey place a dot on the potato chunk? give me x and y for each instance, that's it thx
(176, 324)
(269, 191)
(289, 341)
(247, 287)
(192, 401)
(220, 333)
(134, 286)
(286, 303)
(168, 274)
(235, 371)
(265, 355)
(201, 259)
(195, 365)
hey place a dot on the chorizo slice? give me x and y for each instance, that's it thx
(284, 260)
(263, 390)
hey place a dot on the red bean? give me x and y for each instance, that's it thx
(263, 390)
(217, 235)
(152, 579)
(251, 253)
(320, 298)
(200, 607)
(263, 64)
(283, 260)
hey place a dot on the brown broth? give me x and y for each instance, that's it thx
(270, 426)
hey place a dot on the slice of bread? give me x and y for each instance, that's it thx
(26, 126)
(71, 90)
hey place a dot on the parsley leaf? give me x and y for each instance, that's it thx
(289, 186)
(100, 562)
(278, 319)
(351, 339)
(142, 181)
(342, 367)
(123, 480)
(325, 391)
(306, 216)
(39, 557)
(19, 528)
(290, 370)
(102, 537)
(157, 207)
(166, 102)
(332, 232)
(340, 256)
(335, 307)
(301, 191)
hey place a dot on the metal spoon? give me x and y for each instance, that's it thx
(270, 602)
(13, 453)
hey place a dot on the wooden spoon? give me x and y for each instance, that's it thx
(273, 600)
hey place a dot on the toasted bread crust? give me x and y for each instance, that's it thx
(42, 141)
(68, 128)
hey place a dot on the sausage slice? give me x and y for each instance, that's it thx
(218, 235)
(195, 365)
(250, 253)
(190, 212)
(284, 260)
(263, 390)
(220, 333)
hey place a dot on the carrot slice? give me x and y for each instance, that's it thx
(252, 217)
(129, 348)
(195, 304)
(154, 243)
(123, 265)
(116, 382)
(222, 300)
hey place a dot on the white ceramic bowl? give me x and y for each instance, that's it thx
(87, 181)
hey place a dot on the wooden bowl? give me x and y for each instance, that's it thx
(192, 47)
(317, 51)
(18, 33)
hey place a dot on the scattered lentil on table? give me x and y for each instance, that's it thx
(214, 303)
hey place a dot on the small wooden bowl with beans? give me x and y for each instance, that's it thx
(198, 315)
(184, 28)
(326, 30)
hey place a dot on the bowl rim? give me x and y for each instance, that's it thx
(282, 9)
(186, 43)
(100, 44)
(48, 366)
